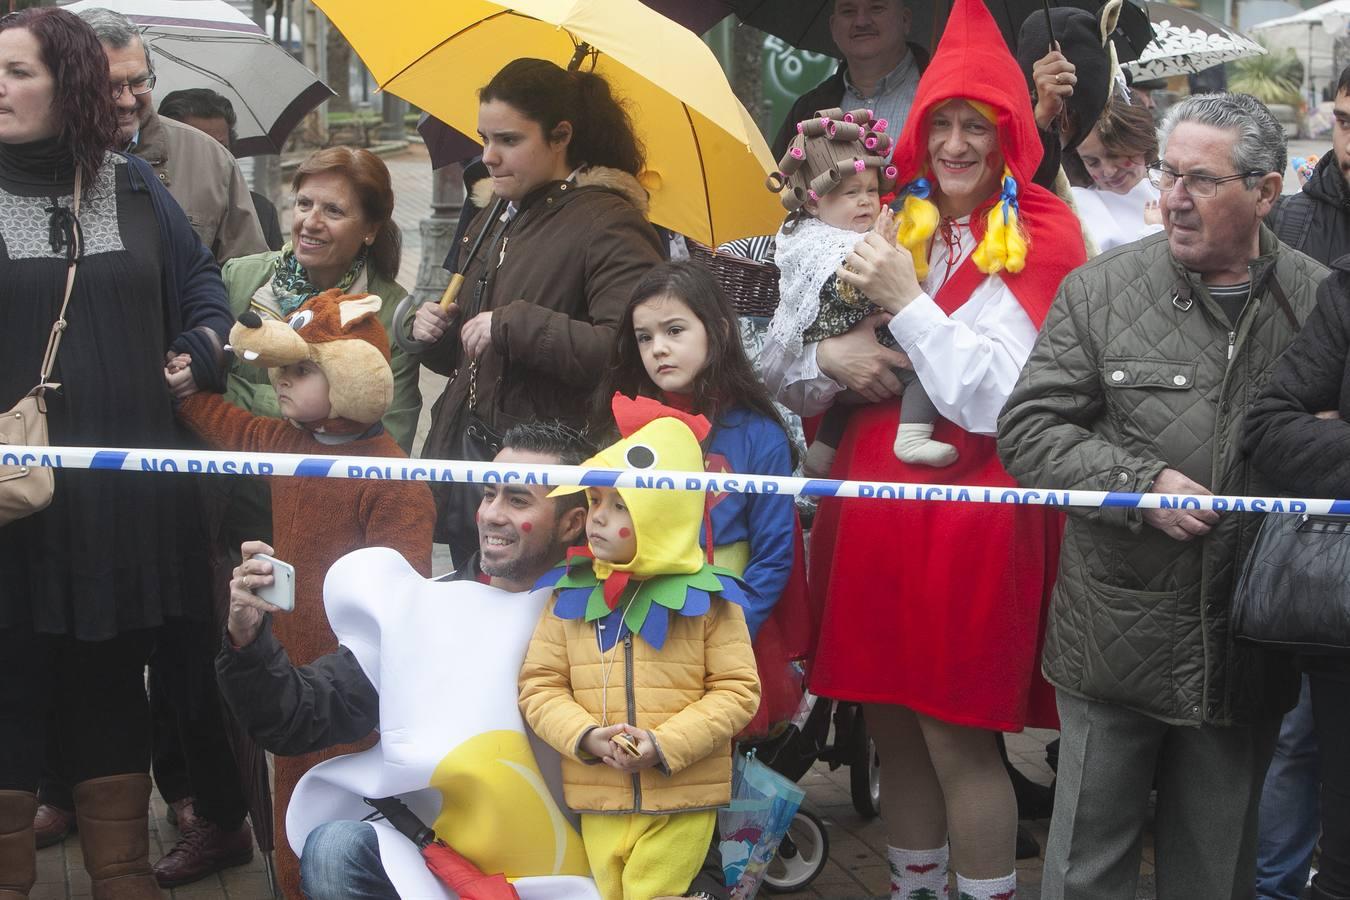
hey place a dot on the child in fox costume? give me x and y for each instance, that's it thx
(329, 363)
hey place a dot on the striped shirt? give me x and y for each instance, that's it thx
(892, 97)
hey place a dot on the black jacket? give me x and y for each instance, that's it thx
(291, 710)
(1317, 219)
(1302, 454)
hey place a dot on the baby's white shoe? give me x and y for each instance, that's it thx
(914, 444)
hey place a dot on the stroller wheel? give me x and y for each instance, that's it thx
(864, 772)
(801, 855)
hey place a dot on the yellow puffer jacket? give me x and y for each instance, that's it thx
(693, 694)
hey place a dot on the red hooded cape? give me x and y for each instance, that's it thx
(939, 607)
(973, 63)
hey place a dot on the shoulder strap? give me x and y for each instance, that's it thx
(1282, 299)
(1295, 222)
(74, 252)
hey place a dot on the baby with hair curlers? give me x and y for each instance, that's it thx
(830, 181)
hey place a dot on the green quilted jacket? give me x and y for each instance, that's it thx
(1137, 369)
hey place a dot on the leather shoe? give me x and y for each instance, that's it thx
(181, 815)
(204, 849)
(52, 824)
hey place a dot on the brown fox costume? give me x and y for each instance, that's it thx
(317, 520)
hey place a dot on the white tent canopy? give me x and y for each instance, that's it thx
(1311, 34)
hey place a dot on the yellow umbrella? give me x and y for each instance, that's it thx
(706, 160)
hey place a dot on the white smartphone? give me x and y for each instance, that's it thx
(281, 592)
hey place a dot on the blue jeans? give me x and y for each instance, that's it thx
(1290, 822)
(341, 861)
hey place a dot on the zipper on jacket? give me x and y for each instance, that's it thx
(1232, 340)
(630, 696)
(501, 257)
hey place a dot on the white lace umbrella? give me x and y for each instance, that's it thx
(210, 44)
(1186, 42)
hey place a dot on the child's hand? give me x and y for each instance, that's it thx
(178, 376)
(886, 225)
(597, 742)
(646, 758)
(1152, 213)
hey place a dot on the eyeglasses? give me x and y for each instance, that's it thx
(1203, 186)
(138, 87)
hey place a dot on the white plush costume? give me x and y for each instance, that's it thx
(444, 657)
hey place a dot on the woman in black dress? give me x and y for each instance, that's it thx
(85, 583)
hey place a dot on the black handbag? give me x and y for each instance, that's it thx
(476, 442)
(1294, 592)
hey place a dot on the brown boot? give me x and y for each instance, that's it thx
(18, 853)
(114, 818)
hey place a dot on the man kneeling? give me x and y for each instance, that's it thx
(449, 644)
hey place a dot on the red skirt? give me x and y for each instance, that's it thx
(936, 606)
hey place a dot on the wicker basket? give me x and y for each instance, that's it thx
(752, 287)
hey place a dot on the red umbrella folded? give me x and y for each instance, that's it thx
(470, 882)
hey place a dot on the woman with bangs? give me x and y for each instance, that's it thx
(933, 611)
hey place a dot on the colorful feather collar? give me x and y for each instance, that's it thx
(581, 594)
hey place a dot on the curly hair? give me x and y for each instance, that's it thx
(369, 178)
(82, 101)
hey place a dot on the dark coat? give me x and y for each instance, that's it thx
(1317, 219)
(1300, 453)
(557, 277)
(1136, 369)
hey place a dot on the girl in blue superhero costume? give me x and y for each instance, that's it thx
(678, 341)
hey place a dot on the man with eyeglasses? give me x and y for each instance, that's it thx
(200, 174)
(1139, 381)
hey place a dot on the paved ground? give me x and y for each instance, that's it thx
(857, 864)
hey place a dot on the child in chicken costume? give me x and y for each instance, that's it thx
(315, 521)
(640, 670)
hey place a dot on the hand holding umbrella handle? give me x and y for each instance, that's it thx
(400, 327)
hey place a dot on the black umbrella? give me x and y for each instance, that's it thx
(805, 24)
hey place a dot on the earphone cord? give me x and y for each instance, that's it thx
(607, 666)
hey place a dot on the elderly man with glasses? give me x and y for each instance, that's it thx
(200, 174)
(1139, 381)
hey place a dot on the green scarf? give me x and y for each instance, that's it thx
(291, 282)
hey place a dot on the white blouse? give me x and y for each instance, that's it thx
(1115, 219)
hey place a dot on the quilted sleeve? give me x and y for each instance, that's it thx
(1046, 436)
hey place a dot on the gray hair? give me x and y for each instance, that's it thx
(115, 30)
(1260, 146)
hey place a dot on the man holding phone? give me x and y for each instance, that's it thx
(291, 710)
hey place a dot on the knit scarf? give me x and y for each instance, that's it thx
(291, 284)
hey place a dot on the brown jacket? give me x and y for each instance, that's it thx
(558, 277)
(693, 694)
(205, 180)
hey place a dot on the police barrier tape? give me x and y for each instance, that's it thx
(465, 472)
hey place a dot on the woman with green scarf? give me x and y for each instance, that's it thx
(342, 236)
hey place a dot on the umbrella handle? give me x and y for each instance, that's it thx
(451, 291)
(400, 326)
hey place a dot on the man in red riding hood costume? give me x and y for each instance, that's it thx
(933, 611)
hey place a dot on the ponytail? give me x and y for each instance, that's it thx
(602, 132)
